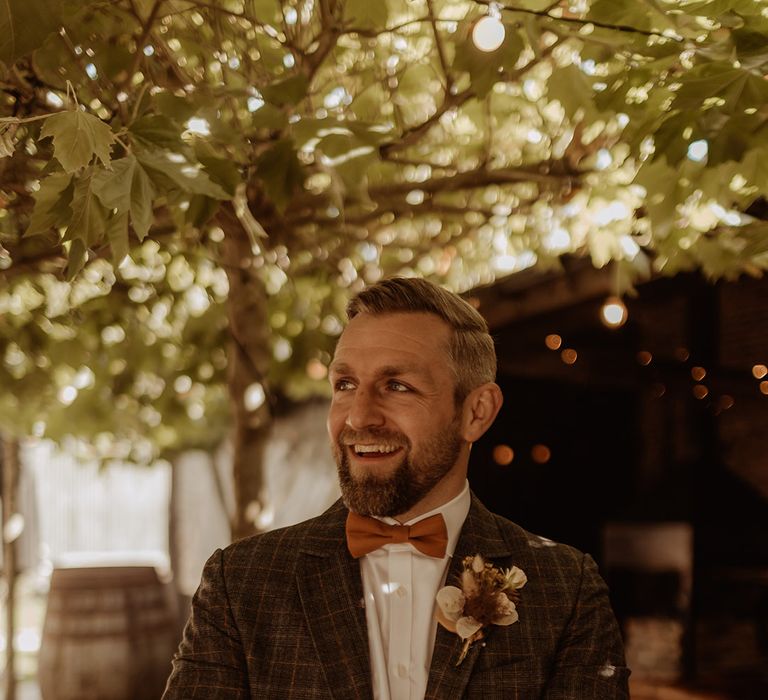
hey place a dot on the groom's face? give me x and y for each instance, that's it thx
(393, 423)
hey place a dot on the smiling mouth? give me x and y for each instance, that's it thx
(373, 451)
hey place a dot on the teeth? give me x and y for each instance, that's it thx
(385, 449)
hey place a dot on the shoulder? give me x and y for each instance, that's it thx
(499, 533)
(278, 550)
(536, 546)
(560, 577)
(553, 568)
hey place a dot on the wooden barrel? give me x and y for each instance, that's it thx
(109, 634)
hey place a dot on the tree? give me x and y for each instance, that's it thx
(191, 175)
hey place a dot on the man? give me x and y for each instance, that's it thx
(305, 612)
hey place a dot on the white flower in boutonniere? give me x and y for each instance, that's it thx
(488, 596)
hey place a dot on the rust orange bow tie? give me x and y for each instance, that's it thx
(366, 534)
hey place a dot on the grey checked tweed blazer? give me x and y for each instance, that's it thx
(280, 615)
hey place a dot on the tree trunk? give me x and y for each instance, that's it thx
(249, 358)
(10, 484)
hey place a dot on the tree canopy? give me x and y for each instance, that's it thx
(178, 173)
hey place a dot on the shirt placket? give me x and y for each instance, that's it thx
(400, 623)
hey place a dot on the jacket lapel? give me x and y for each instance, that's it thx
(331, 592)
(479, 535)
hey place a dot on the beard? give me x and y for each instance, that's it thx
(413, 478)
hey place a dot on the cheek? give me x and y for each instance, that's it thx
(335, 420)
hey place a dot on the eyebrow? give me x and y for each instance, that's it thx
(383, 372)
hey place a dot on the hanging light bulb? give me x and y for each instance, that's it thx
(613, 312)
(488, 34)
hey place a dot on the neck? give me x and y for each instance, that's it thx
(444, 491)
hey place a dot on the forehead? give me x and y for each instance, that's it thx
(413, 339)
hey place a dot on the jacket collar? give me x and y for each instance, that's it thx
(331, 591)
(480, 535)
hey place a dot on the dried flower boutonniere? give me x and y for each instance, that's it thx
(488, 596)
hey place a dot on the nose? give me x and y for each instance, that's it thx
(364, 411)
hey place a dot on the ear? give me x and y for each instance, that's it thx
(480, 410)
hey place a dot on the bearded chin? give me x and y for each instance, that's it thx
(373, 495)
(403, 488)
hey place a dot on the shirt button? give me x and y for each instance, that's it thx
(402, 671)
(401, 592)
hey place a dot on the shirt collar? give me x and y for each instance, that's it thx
(454, 513)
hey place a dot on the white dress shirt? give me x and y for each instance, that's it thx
(399, 587)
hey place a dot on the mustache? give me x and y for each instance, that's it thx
(348, 436)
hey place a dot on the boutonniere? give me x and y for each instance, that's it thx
(488, 596)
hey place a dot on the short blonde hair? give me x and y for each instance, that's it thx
(471, 348)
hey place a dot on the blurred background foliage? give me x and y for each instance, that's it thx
(190, 190)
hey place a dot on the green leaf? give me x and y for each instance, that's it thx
(513, 46)
(367, 104)
(185, 176)
(290, 91)
(266, 11)
(51, 204)
(117, 235)
(114, 62)
(573, 89)
(630, 13)
(78, 256)
(668, 138)
(717, 8)
(201, 209)
(7, 144)
(142, 194)
(736, 137)
(113, 187)
(88, 216)
(483, 67)
(280, 171)
(77, 137)
(158, 130)
(363, 14)
(756, 235)
(741, 89)
(180, 109)
(223, 172)
(25, 25)
(662, 184)
(269, 117)
(754, 168)
(354, 171)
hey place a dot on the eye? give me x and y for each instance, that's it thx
(343, 385)
(394, 385)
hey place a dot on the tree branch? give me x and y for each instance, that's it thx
(576, 20)
(146, 29)
(440, 48)
(414, 134)
(329, 34)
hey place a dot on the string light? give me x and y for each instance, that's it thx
(541, 454)
(569, 356)
(644, 358)
(698, 373)
(726, 402)
(759, 371)
(553, 341)
(700, 391)
(503, 455)
(613, 312)
(488, 34)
